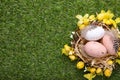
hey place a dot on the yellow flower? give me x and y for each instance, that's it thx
(99, 70)
(72, 57)
(79, 17)
(66, 50)
(80, 65)
(107, 21)
(108, 15)
(110, 62)
(118, 61)
(80, 20)
(105, 15)
(110, 22)
(79, 23)
(82, 26)
(100, 16)
(92, 70)
(107, 72)
(113, 23)
(117, 20)
(83, 20)
(89, 76)
(92, 17)
(86, 16)
(86, 21)
(111, 15)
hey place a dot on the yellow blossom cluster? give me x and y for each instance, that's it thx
(69, 51)
(104, 17)
(107, 18)
(90, 76)
(97, 71)
(84, 20)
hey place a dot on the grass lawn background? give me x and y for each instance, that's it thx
(33, 32)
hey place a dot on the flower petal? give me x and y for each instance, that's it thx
(117, 20)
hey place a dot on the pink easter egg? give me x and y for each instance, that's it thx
(108, 43)
(95, 49)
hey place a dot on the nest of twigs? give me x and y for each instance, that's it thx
(78, 43)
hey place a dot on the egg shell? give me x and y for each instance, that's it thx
(93, 33)
(95, 49)
(108, 43)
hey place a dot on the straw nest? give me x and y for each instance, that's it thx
(78, 42)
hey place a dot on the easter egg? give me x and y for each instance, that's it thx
(108, 43)
(92, 33)
(95, 49)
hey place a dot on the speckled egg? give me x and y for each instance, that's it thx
(92, 32)
(95, 49)
(108, 43)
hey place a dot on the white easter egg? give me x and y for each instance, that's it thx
(93, 32)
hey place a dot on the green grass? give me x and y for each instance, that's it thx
(33, 32)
